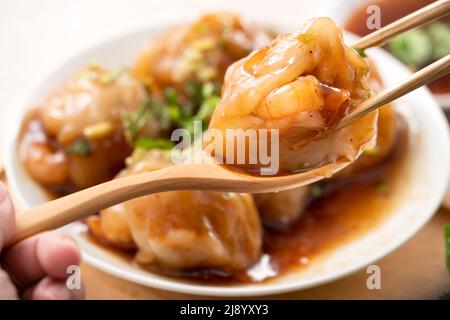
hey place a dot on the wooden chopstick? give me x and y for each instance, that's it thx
(422, 77)
(420, 17)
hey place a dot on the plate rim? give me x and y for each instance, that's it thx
(213, 290)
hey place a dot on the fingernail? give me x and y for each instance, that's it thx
(72, 243)
(57, 291)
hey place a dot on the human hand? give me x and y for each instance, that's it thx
(34, 268)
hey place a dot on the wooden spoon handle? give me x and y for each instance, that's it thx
(420, 17)
(79, 205)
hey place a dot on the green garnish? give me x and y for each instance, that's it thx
(111, 76)
(188, 124)
(174, 113)
(208, 89)
(173, 106)
(361, 52)
(447, 244)
(414, 47)
(133, 122)
(316, 191)
(440, 36)
(148, 144)
(171, 96)
(161, 113)
(203, 99)
(81, 147)
(207, 108)
(209, 103)
(303, 166)
(194, 91)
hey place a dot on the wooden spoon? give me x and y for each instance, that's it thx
(214, 177)
(79, 205)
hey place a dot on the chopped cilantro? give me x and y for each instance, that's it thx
(160, 112)
(80, 147)
(203, 99)
(208, 89)
(194, 91)
(171, 96)
(133, 122)
(111, 76)
(148, 144)
(174, 113)
(210, 99)
(207, 108)
(361, 52)
(187, 123)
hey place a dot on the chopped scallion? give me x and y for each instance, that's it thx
(148, 144)
(361, 52)
(81, 147)
(207, 108)
(303, 166)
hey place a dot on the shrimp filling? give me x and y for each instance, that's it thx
(302, 85)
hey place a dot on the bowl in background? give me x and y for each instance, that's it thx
(344, 10)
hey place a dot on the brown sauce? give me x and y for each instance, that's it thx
(347, 208)
(392, 10)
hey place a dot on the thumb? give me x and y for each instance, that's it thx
(7, 218)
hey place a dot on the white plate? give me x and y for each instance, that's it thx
(427, 171)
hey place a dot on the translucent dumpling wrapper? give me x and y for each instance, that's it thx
(200, 51)
(94, 95)
(279, 210)
(76, 137)
(390, 132)
(182, 230)
(302, 84)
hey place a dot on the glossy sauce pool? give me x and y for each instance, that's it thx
(342, 210)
